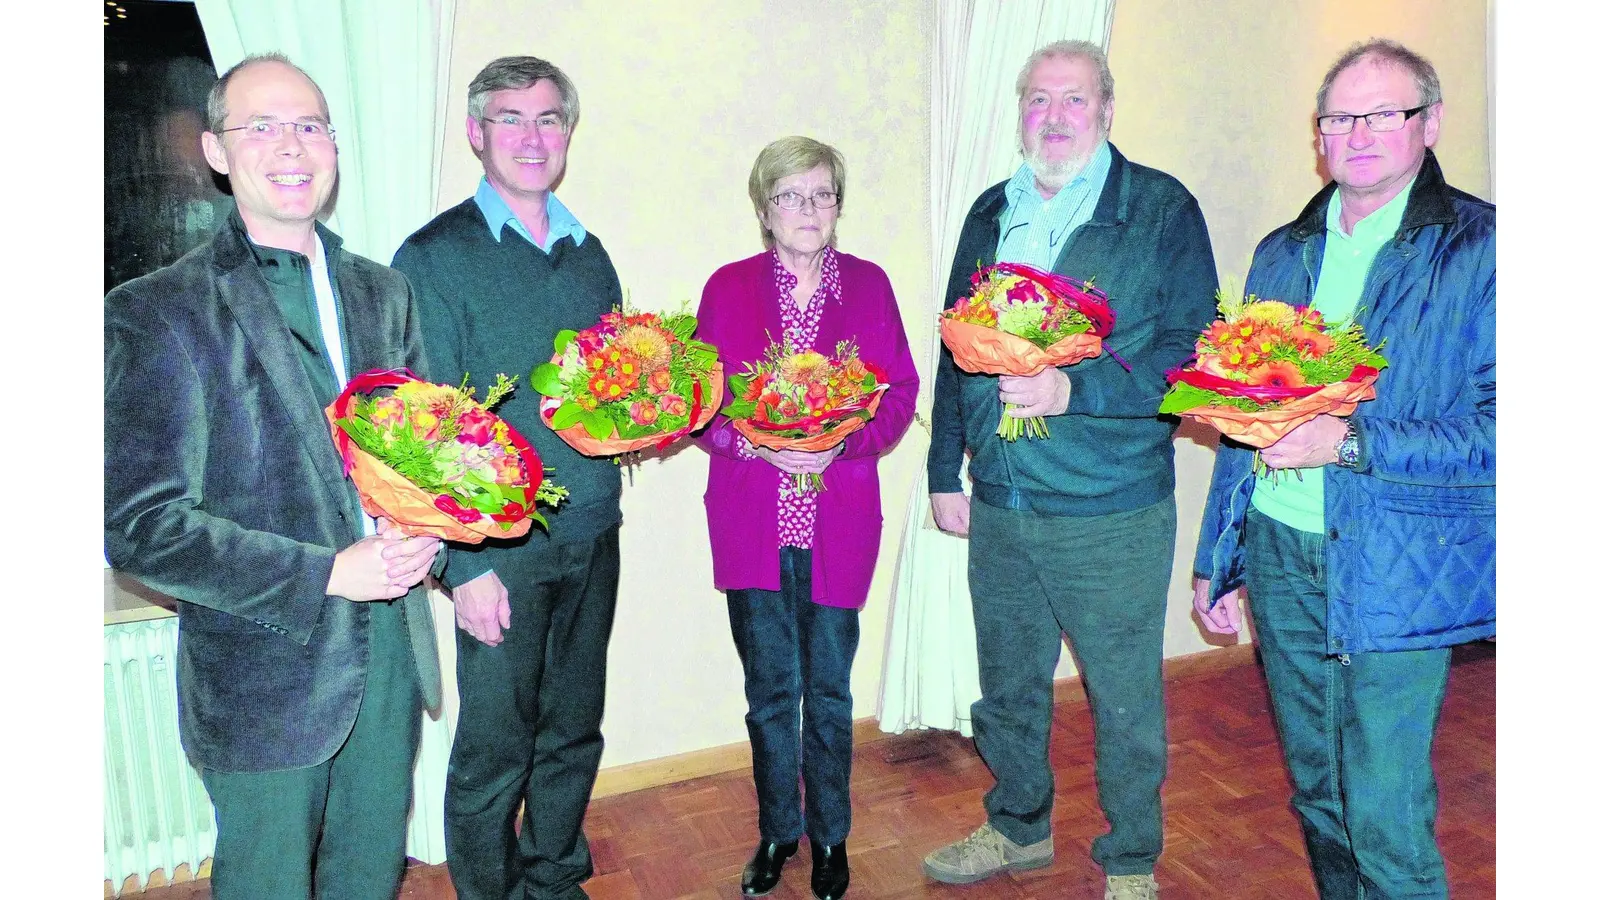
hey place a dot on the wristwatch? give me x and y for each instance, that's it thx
(1348, 452)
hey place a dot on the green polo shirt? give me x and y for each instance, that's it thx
(1297, 501)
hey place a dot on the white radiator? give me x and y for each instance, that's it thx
(157, 813)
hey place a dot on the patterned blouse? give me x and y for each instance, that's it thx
(797, 510)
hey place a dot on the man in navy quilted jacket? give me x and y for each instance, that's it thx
(1376, 554)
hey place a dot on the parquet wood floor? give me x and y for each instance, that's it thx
(1229, 831)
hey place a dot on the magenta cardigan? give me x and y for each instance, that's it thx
(738, 311)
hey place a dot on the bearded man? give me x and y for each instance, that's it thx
(1072, 533)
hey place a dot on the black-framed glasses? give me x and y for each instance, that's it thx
(272, 129)
(1382, 120)
(792, 200)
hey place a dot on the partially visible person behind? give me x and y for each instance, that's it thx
(1074, 533)
(300, 678)
(1368, 549)
(496, 277)
(796, 565)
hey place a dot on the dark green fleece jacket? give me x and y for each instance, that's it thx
(1147, 247)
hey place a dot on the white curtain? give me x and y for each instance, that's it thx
(384, 66)
(930, 676)
(385, 70)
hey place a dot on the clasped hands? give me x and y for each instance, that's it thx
(382, 566)
(797, 462)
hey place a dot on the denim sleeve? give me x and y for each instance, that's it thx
(1450, 451)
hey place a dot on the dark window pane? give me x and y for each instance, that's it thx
(162, 199)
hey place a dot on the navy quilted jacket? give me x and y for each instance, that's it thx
(1410, 531)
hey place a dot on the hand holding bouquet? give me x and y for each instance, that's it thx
(805, 401)
(1266, 367)
(631, 381)
(1020, 321)
(435, 461)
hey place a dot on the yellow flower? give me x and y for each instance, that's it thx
(1270, 312)
(650, 345)
(804, 367)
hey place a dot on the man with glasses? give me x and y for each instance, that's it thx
(300, 678)
(497, 277)
(1376, 555)
(1072, 533)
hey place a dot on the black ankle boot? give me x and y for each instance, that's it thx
(830, 871)
(761, 874)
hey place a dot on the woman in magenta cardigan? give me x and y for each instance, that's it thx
(796, 567)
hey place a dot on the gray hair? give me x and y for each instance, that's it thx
(1066, 49)
(217, 99)
(1391, 53)
(513, 73)
(790, 156)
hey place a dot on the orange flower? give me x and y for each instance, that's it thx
(1311, 342)
(1278, 373)
(660, 381)
(388, 411)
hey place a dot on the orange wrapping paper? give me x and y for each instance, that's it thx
(1266, 427)
(385, 492)
(579, 439)
(977, 348)
(811, 443)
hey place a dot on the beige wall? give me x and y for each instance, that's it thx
(679, 97)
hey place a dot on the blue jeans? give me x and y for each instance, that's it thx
(796, 656)
(1357, 730)
(1101, 580)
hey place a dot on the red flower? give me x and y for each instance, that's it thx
(477, 427)
(788, 409)
(511, 512)
(448, 505)
(673, 405)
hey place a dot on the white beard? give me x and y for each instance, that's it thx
(1056, 175)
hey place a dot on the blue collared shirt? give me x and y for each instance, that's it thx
(495, 210)
(1035, 230)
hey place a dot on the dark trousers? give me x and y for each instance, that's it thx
(528, 733)
(1102, 581)
(1357, 730)
(335, 831)
(796, 656)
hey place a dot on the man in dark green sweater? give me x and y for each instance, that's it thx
(1072, 533)
(496, 277)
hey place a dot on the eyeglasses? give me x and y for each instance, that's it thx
(272, 129)
(792, 200)
(545, 124)
(1382, 120)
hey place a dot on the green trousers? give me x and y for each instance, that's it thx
(1101, 580)
(334, 831)
(1357, 730)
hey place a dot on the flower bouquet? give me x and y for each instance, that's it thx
(1266, 367)
(805, 401)
(435, 461)
(633, 380)
(1020, 321)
